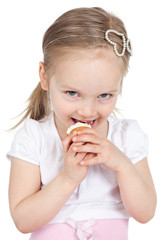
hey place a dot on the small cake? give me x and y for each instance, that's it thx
(78, 126)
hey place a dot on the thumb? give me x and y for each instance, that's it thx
(67, 141)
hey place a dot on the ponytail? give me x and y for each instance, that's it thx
(38, 106)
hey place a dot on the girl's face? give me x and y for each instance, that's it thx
(85, 88)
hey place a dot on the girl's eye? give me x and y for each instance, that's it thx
(105, 96)
(72, 93)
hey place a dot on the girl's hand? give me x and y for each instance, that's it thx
(103, 151)
(72, 169)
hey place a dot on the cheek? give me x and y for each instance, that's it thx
(108, 109)
(61, 107)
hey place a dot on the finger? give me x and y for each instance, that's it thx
(68, 141)
(91, 161)
(90, 155)
(88, 148)
(88, 131)
(87, 138)
(80, 157)
(70, 150)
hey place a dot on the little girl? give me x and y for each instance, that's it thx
(87, 184)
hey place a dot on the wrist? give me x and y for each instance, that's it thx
(124, 166)
(67, 181)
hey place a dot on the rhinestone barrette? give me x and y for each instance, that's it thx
(126, 43)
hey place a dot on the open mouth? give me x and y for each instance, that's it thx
(92, 122)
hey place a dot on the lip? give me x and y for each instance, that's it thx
(90, 122)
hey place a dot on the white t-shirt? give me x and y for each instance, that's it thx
(98, 195)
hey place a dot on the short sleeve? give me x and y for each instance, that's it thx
(26, 143)
(134, 141)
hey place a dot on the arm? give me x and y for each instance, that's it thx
(137, 190)
(135, 181)
(30, 207)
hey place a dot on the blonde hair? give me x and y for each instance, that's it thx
(73, 29)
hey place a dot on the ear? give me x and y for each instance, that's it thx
(42, 75)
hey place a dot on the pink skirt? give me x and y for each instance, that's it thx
(112, 229)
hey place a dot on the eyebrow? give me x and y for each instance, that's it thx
(114, 91)
(68, 87)
(79, 90)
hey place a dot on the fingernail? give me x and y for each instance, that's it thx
(74, 148)
(75, 133)
(82, 163)
(74, 139)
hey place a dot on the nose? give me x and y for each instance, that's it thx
(87, 110)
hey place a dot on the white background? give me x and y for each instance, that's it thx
(22, 25)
